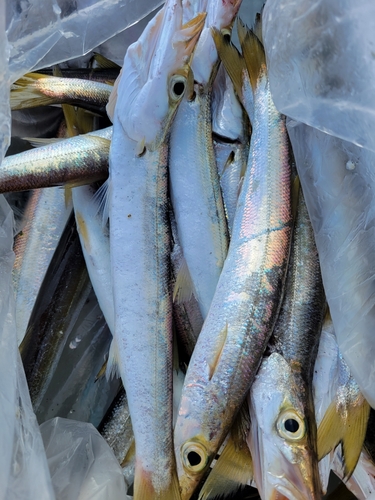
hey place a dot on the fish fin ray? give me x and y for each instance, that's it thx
(110, 108)
(25, 92)
(103, 62)
(144, 489)
(183, 288)
(350, 431)
(253, 53)
(113, 363)
(213, 363)
(101, 199)
(232, 471)
(233, 61)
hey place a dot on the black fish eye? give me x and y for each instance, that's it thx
(179, 88)
(291, 425)
(194, 458)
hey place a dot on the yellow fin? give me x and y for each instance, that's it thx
(183, 288)
(144, 490)
(102, 371)
(220, 343)
(110, 108)
(82, 229)
(295, 195)
(253, 53)
(347, 426)
(103, 62)
(129, 456)
(231, 58)
(229, 161)
(113, 363)
(68, 196)
(25, 92)
(232, 471)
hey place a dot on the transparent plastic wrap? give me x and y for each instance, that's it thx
(46, 32)
(338, 180)
(321, 59)
(24, 472)
(82, 465)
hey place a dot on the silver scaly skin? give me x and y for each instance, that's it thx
(247, 298)
(282, 439)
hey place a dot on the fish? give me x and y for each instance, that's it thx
(282, 438)
(194, 183)
(62, 294)
(249, 291)
(345, 420)
(34, 89)
(149, 89)
(70, 162)
(46, 216)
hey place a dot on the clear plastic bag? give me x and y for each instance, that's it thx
(82, 465)
(321, 59)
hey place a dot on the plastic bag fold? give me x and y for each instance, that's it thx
(24, 472)
(338, 181)
(321, 60)
(82, 465)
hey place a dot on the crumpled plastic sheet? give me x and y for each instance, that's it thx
(338, 181)
(82, 465)
(321, 60)
(41, 33)
(24, 472)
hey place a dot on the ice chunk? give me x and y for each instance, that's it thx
(24, 473)
(321, 61)
(338, 180)
(82, 465)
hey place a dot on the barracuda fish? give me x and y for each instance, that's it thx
(282, 439)
(71, 162)
(34, 90)
(195, 188)
(153, 82)
(63, 293)
(247, 298)
(46, 216)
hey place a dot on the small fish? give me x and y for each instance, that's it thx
(149, 90)
(72, 162)
(46, 216)
(63, 293)
(282, 439)
(34, 89)
(248, 295)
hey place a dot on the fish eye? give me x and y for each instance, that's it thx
(177, 87)
(291, 426)
(227, 34)
(194, 457)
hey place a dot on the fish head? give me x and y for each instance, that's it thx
(155, 75)
(194, 450)
(284, 461)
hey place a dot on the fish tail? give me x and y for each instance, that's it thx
(232, 471)
(145, 490)
(348, 427)
(253, 52)
(231, 58)
(27, 92)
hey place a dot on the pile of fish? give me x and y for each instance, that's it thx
(189, 271)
